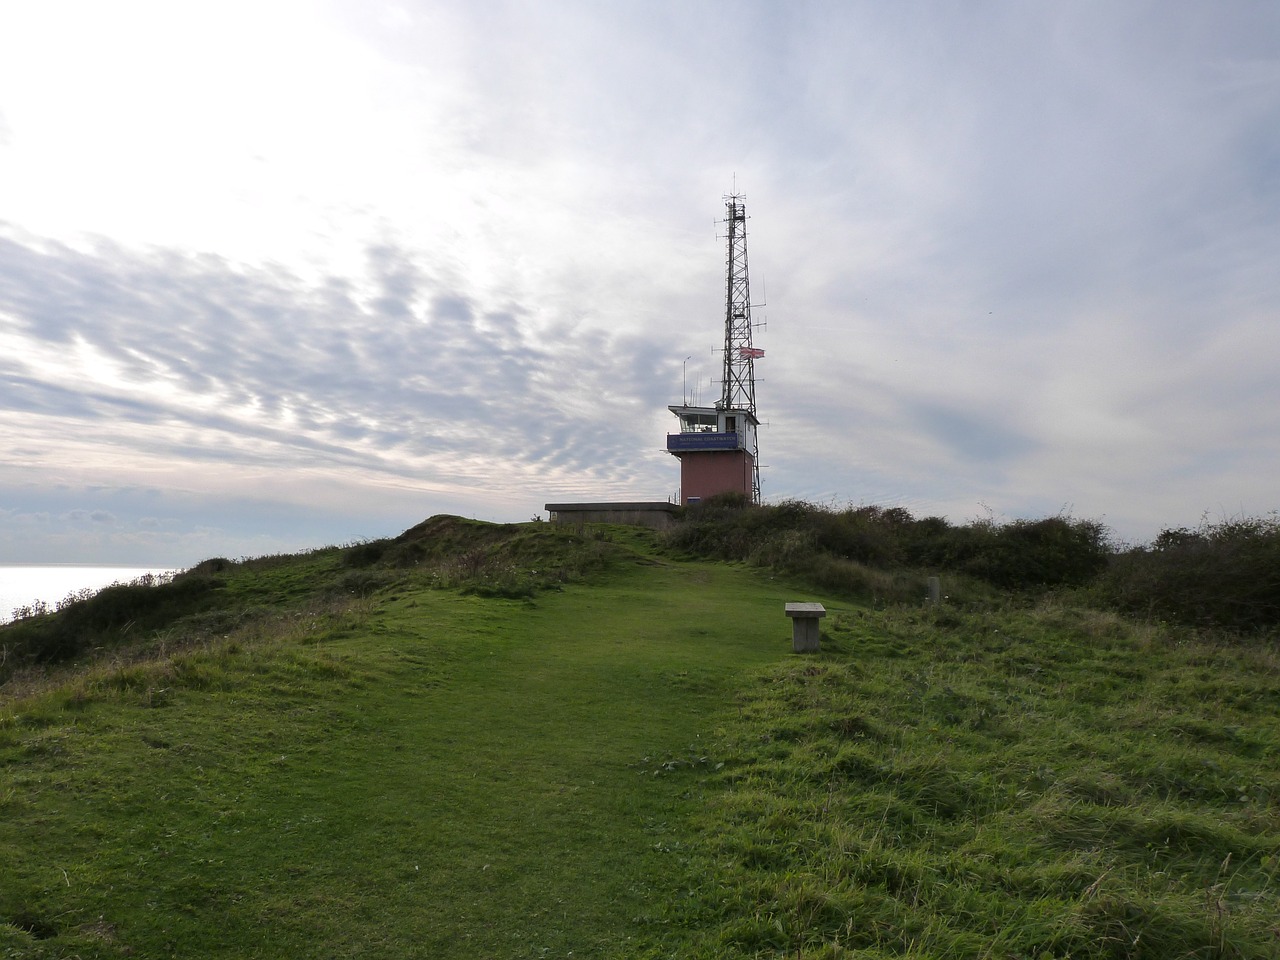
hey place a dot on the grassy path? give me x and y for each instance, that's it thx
(453, 776)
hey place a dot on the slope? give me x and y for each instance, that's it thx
(423, 773)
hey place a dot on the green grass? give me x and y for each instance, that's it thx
(1034, 783)
(423, 774)
(519, 742)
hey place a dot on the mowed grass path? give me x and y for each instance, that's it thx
(441, 776)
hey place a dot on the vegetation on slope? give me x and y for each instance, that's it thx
(219, 595)
(482, 740)
(886, 553)
(1041, 783)
(1222, 575)
(421, 771)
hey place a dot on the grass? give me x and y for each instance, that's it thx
(423, 773)
(516, 742)
(1034, 783)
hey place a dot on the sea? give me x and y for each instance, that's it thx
(24, 584)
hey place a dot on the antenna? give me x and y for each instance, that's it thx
(738, 381)
(740, 355)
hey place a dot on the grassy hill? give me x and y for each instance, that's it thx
(482, 740)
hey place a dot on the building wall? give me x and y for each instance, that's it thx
(706, 473)
(658, 515)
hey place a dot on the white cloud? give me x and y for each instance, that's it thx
(385, 259)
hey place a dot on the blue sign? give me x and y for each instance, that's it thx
(682, 442)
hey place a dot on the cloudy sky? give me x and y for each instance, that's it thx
(277, 274)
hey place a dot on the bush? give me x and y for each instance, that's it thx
(804, 539)
(1222, 574)
(867, 535)
(1056, 551)
(365, 554)
(209, 567)
(91, 620)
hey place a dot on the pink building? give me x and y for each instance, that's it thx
(717, 451)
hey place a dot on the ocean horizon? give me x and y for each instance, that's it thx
(26, 584)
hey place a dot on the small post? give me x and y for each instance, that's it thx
(935, 591)
(805, 635)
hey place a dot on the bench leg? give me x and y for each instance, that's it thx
(804, 635)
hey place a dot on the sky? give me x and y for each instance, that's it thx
(277, 274)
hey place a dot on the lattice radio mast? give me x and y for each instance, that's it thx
(740, 354)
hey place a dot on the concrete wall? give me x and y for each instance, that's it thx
(656, 514)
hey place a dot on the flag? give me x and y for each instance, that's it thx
(750, 353)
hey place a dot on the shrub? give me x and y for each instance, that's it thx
(123, 608)
(211, 566)
(365, 554)
(869, 535)
(801, 538)
(1221, 574)
(1055, 551)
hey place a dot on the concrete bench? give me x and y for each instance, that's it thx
(804, 625)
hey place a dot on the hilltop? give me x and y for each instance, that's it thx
(482, 740)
